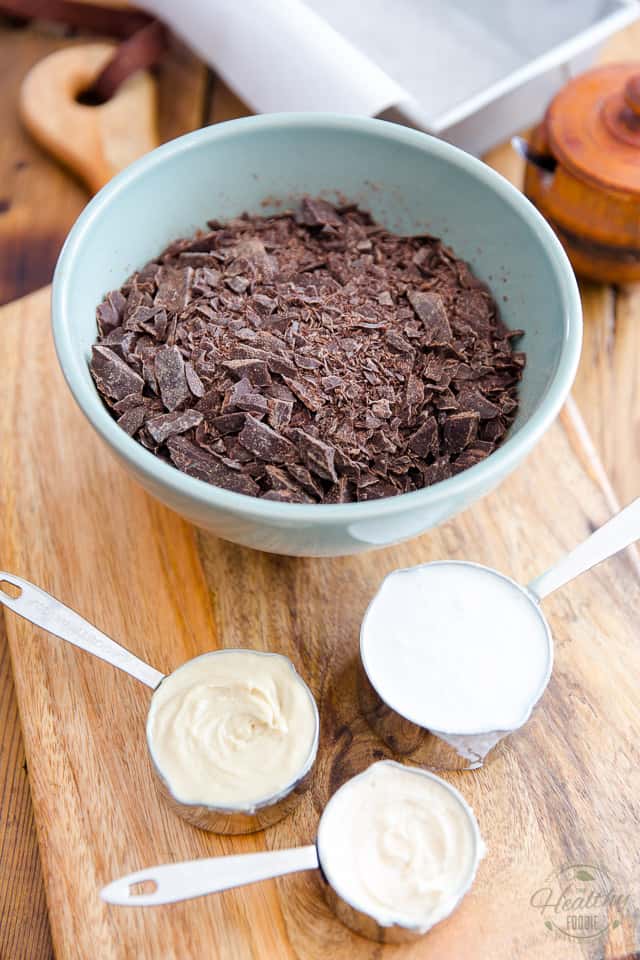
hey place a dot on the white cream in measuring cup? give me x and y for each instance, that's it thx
(464, 652)
(398, 848)
(457, 649)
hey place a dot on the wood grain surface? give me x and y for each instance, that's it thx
(38, 202)
(564, 790)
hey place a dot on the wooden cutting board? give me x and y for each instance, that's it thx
(563, 791)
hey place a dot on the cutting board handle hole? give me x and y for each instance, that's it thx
(142, 886)
(90, 98)
(10, 589)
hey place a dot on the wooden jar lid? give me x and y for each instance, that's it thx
(593, 127)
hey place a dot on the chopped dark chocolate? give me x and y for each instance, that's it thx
(431, 310)
(171, 377)
(205, 465)
(309, 357)
(425, 440)
(265, 443)
(459, 430)
(171, 424)
(279, 412)
(317, 455)
(132, 419)
(114, 378)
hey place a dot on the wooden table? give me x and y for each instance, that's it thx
(38, 203)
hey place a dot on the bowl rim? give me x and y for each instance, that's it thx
(206, 495)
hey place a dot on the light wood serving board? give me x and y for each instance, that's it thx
(566, 790)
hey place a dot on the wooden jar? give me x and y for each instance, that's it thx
(583, 171)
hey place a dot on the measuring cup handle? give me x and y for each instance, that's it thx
(171, 882)
(45, 611)
(613, 536)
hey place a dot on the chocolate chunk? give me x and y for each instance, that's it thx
(468, 458)
(281, 482)
(110, 313)
(494, 430)
(256, 371)
(208, 466)
(459, 430)
(431, 310)
(132, 419)
(474, 306)
(114, 378)
(318, 213)
(471, 399)
(280, 412)
(237, 284)
(309, 357)
(243, 396)
(281, 365)
(305, 479)
(317, 455)
(398, 342)
(129, 402)
(381, 409)
(170, 424)
(264, 305)
(425, 440)
(194, 382)
(306, 392)
(227, 423)
(171, 377)
(339, 492)
(415, 391)
(265, 443)
(435, 472)
(173, 288)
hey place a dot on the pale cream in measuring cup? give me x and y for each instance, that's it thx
(232, 734)
(232, 729)
(400, 846)
(397, 846)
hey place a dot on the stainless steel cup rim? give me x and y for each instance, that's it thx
(406, 714)
(265, 802)
(450, 905)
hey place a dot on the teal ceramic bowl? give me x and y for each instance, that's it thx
(409, 181)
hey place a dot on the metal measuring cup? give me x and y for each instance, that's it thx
(457, 749)
(169, 883)
(51, 615)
